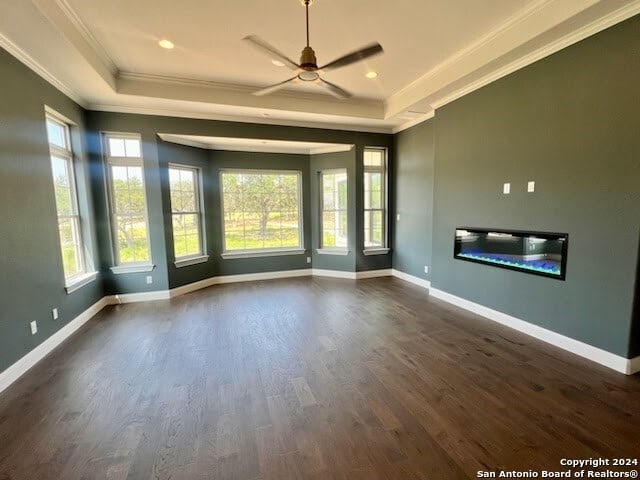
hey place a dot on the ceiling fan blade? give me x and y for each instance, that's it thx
(353, 57)
(335, 90)
(273, 88)
(264, 47)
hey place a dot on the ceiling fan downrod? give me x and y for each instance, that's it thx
(308, 59)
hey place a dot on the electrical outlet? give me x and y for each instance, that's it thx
(506, 188)
(308, 259)
(149, 279)
(426, 269)
(34, 327)
(54, 312)
(531, 187)
(397, 217)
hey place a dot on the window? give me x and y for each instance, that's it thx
(333, 190)
(375, 199)
(261, 210)
(129, 225)
(66, 197)
(186, 210)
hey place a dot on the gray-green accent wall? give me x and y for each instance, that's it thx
(570, 123)
(32, 281)
(334, 161)
(158, 154)
(412, 189)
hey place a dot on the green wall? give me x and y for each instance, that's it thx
(221, 160)
(570, 123)
(32, 281)
(157, 155)
(210, 163)
(332, 161)
(634, 340)
(412, 188)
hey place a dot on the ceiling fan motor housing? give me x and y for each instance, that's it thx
(308, 59)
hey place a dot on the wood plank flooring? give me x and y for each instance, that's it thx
(308, 378)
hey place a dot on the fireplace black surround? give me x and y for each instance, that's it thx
(538, 253)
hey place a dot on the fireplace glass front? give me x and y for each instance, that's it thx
(539, 253)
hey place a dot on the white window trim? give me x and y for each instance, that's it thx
(331, 250)
(266, 252)
(262, 253)
(377, 249)
(129, 267)
(80, 281)
(185, 259)
(67, 155)
(190, 260)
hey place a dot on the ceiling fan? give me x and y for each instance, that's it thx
(307, 70)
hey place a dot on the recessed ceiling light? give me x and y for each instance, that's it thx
(371, 74)
(277, 63)
(164, 43)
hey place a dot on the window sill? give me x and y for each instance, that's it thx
(119, 270)
(262, 253)
(185, 262)
(376, 251)
(333, 251)
(80, 281)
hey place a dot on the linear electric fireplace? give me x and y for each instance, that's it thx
(539, 253)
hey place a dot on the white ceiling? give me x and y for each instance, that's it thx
(104, 53)
(255, 144)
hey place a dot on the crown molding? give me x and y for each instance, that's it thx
(34, 65)
(413, 122)
(354, 115)
(565, 41)
(419, 88)
(270, 146)
(82, 28)
(469, 50)
(243, 89)
(168, 112)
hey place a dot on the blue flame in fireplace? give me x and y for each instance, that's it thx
(533, 265)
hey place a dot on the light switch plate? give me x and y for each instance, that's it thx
(397, 217)
(506, 188)
(531, 187)
(34, 327)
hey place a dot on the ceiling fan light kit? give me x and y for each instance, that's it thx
(307, 70)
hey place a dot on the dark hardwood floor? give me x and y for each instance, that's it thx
(308, 378)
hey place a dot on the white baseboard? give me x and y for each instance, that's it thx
(385, 272)
(319, 272)
(23, 365)
(139, 297)
(410, 278)
(633, 365)
(246, 277)
(252, 277)
(608, 359)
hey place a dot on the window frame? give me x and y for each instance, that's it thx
(384, 185)
(201, 256)
(68, 156)
(263, 252)
(118, 266)
(322, 249)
